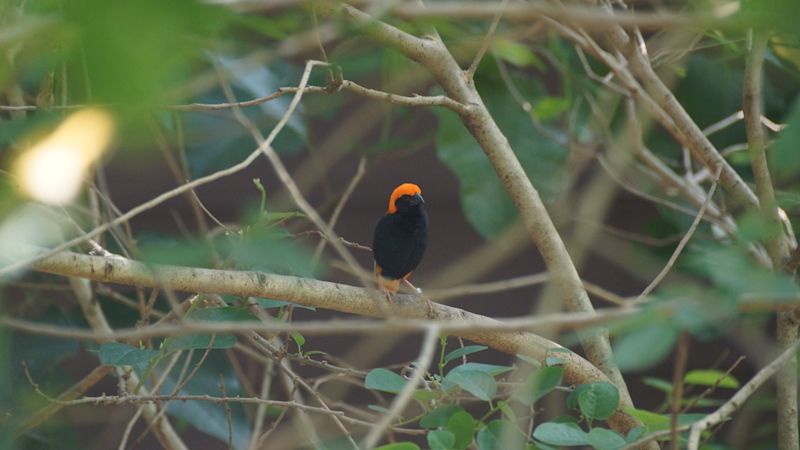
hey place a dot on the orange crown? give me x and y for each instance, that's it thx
(399, 191)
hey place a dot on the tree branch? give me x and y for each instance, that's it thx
(777, 244)
(320, 294)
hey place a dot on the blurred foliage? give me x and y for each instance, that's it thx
(140, 58)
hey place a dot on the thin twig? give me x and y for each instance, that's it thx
(487, 41)
(681, 245)
(351, 187)
(414, 100)
(228, 413)
(41, 416)
(265, 147)
(738, 399)
(405, 395)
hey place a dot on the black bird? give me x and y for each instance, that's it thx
(401, 237)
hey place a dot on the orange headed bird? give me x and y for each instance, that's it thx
(401, 237)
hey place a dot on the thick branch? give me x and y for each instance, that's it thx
(319, 294)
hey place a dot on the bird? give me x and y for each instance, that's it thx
(400, 238)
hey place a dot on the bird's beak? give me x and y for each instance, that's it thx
(419, 199)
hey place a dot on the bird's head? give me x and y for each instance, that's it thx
(405, 197)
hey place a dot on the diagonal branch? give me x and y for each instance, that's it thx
(432, 53)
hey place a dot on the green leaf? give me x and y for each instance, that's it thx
(604, 439)
(648, 418)
(462, 425)
(733, 271)
(204, 341)
(645, 347)
(424, 395)
(518, 54)
(711, 377)
(222, 314)
(491, 437)
(539, 384)
(599, 400)
(155, 249)
(440, 416)
(553, 361)
(399, 446)
(384, 380)
(478, 383)
(201, 342)
(491, 369)
(118, 354)
(561, 434)
(530, 360)
(270, 250)
(656, 422)
(658, 383)
(441, 440)
(572, 398)
(635, 433)
(298, 339)
(464, 351)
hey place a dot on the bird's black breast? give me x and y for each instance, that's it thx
(400, 241)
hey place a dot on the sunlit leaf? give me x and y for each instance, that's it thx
(711, 377)
(518, 54)
(550, 107)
